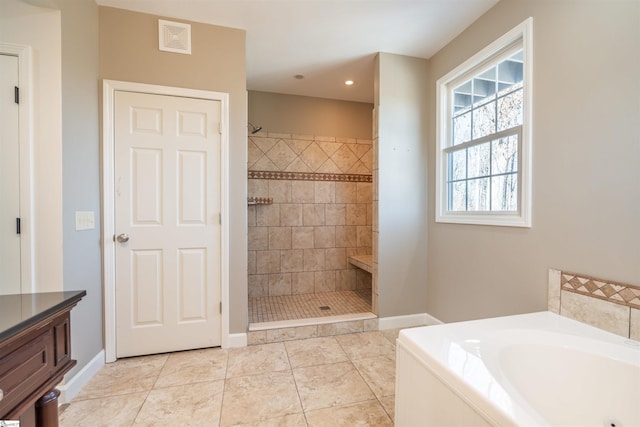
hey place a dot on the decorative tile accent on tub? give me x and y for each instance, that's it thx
(618, 293)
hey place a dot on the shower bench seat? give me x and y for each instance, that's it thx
(362, 261)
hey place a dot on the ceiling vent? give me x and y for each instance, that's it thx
(174, 36)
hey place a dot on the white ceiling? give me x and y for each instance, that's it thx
(327, 41)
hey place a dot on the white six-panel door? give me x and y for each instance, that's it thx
(167, 223)
(10, 279)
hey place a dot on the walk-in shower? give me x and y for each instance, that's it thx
(310, 211)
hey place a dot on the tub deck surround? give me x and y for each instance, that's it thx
(517, 370)
(605, 304)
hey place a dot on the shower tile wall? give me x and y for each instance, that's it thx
(319, 216)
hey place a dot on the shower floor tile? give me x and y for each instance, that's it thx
(292, 307)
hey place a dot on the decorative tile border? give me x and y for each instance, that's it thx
(259, 201)
(306, 176)
(309, 153)
(618, 293)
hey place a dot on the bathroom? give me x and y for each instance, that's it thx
(585, 192)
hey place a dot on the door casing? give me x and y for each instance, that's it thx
(109, 87)
(25, 129)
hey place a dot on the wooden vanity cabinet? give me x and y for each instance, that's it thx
(35, 354)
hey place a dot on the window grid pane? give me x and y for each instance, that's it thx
(504, 193)
(484, 176)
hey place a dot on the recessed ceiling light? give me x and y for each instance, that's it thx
(348, 82)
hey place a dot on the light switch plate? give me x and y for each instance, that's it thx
(85, 220)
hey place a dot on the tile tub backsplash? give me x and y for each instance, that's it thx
(605, 304)
(320, 189)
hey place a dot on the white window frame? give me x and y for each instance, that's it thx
(491, 54)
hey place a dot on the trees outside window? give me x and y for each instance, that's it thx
(483, 168)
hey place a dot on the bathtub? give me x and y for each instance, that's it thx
(537, 369)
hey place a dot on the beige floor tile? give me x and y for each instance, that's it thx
(113, 411)
(315, 351)
(379, 373)
(391, 335)
(185, 405)
(325, 386)
(194, 366)
(130, 375)
(295, 420)
(254, 398)
(257, 359)
(365, 345)
(389, 405)
(340, 328)
(369, 413)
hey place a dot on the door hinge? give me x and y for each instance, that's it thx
(220, 218)
(220, 307)
(16, 94)
(17, 225)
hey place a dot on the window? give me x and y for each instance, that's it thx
(484, 145)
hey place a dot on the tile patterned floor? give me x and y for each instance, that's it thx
(346, 380)
(304, 306)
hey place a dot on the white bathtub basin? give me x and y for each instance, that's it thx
(533, 369)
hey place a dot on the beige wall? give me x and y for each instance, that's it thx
(586, 146)
(309, 116)
(400, 175)
(129, 52)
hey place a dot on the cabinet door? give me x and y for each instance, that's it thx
(23, 370)
(61, 341)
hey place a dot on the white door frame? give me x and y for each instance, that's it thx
(25, 127)
(109, 87)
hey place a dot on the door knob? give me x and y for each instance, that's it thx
(123, 238)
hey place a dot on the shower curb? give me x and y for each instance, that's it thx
(259, 334)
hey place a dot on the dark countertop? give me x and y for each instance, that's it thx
(20, 311)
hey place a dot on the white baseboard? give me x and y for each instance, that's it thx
(407, 321)
(237, 340)
(70, 388)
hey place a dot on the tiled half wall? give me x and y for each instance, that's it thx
(320, 213)
(608, 305)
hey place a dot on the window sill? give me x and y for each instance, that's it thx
(508, 220)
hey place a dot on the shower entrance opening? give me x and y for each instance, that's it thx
(310, 222)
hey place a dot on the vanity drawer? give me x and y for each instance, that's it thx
(23, 370)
